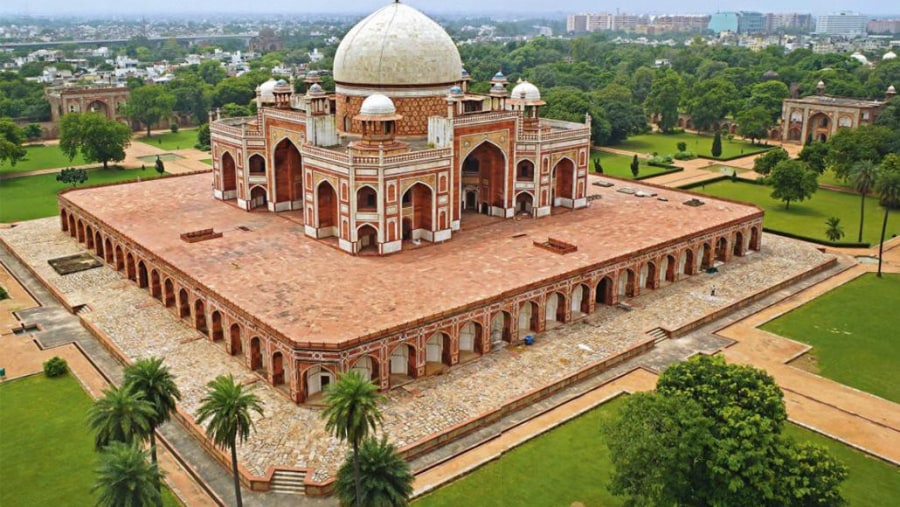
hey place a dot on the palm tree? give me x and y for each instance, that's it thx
(125, 478)
(228, 407)
(834, 232)
(351, 414)
(150, 378)
(863, 176)
(121, 415)
(888, 187)
(386, 479)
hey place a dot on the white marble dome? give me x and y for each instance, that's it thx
(525, 91)
(890, 55)
(377, 105)
(266, 91)
(859, 57)
(397, 45)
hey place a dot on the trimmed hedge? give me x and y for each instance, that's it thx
(55, 366)
(824, 242)
(672, 169)
(726, 159)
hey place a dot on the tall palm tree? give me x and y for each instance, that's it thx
(227, 408)
(125, 478)
(150, 378)
(121, 415)
(863, 175)
(386, 479)
(888, 188)
(351, 414)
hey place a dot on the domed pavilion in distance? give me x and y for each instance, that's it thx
(399, 226)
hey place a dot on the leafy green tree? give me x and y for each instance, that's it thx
(121, 415)
(11, 137)
(157, 384)
(849, 146)
(125, 478)
(815, 155)
(149, 104)
(624, 116)
(833, 229)
(570, 103)
(598, 166)
(212, 72)
(716, 150)
(351, 415)
(769, 95)
(226, 409)
(98, 139)
(33, 131)
(203, 141)
(792, 181)
(711, 435)
(711, 101)
(72, 176)
(663, 100)
(887, 186)
(635, 167)
(765, 162)
(863, 176)
(754, 123)
(386, 478)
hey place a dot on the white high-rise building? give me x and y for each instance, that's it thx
(842, 23)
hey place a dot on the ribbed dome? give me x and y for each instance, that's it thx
(397, 45)
(525, 91)
(377, 105)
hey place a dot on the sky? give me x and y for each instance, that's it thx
(118, 7)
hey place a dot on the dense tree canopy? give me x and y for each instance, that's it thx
(98, 139)
(20, 98)
(150, 103)
(11, 138)
(791, 180)
(710, 435)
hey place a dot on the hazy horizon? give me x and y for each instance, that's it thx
(526, 7)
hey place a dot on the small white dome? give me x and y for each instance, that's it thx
(266, 90)
(890, 55)
(525, 91)
(891, 90)
(859, 57)
(377, 105)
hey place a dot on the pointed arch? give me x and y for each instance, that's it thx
(529, 316)
(501, 327)
(259, 197)
(327, 206)
(581, 299)
(235, 339)
(738, 242)
(604, 293)
(168, 293)
(722, 249)
(256, 358)
(366, 198)
(367, 236)
(367, 367)
(155, 286)
(277, 363)
(130, 267)
(218, 334)
(484, 167)
(200, 323)
(288, 171)
(555, 308)
(417, 208)
(257, 165)
(229, 175)
(563, 181)
(470, 338)
(143, 278)
(524, 202)
(403, 363)
(754, 238)
(438, 349)
(184, 305)
(109, 254)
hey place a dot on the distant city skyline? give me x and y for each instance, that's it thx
(526, 7)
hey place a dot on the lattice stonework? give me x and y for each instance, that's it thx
(415, 112)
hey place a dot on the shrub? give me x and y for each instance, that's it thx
(660, 160)
(174, 128)
(684, 155)
(3, 293)
(55, 366)
(682, 146)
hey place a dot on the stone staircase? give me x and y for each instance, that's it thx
(659, 334)
(288, 482)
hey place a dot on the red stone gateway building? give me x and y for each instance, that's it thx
(495, 229)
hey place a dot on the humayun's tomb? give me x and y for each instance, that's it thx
(398, 226)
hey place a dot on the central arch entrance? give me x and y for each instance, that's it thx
(484, 169)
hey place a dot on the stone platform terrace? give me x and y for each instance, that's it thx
(314, 294)
(289, 435)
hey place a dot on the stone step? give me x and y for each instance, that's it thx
(658, 333)
(288, 482)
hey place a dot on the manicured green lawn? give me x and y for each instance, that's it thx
(41, 157)
(869, 481)
(571, 464)
(666, 144)
(207, 161)
(853, 331)
(620, 165)
(829, 178)
(31, 197)
(565, 465)
(184, 138)
(45, 445)
(808, 218)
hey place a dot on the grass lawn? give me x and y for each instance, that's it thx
(571, 463)
(565, 465)
(853, 331)
(808, 218)
(33, 197)
(869, 481)
(41, 157)
(620, 165)
(666, 144)
(184, 138)
(829, 178)
(207, 161)
(46, 445)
